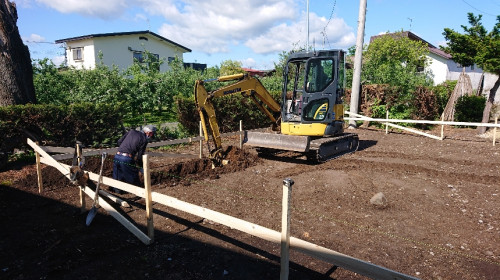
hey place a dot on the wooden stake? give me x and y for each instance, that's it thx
(149, 201)
(39, 172)
(495, 132)
(386, 126)
(442, 127)
(83, 205)
(201, 141)
(241, 134)
(285, 228)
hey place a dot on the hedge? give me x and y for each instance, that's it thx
(94, 125)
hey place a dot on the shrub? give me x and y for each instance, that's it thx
(60, 125)
(470, 108)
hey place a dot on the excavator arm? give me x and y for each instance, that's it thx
(245, 85)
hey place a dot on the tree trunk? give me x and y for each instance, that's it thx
(16, 72)
(489, 104)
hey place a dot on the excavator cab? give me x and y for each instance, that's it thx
(313, 86)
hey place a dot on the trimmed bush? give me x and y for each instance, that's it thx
(470, 108)
(95, 125)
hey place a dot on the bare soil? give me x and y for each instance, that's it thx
(441, 221)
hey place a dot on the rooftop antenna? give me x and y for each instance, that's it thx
(411, 20)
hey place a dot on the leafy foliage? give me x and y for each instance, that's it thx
(469, 108)
(396, 60)
(396, 63)
(230, 67)
(60, 125)
(476, 46)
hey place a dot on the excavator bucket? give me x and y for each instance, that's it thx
(277, 141)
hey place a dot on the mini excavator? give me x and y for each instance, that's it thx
(310, 119)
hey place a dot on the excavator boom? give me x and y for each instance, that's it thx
(245, 85)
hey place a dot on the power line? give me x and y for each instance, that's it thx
(325, 37)
(478, 9)
(331, 14)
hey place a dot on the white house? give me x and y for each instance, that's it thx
(120, 49)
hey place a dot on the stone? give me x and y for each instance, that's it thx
(379, 200)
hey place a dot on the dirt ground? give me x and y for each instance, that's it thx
(441, 221)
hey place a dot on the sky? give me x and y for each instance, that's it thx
(253, 32)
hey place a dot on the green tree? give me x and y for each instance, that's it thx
(230, 67)
(477, 46)
(398, 61)
(51, 86)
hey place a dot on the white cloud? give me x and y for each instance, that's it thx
(337, 34)
(58, 60)
(248, 63)
(105, 9)
(220, 26)
(215, 26)
(34, 38)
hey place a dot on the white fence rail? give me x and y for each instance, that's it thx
(389, 122)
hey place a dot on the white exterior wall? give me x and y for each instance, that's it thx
(88, 61)
(439, 68)
(119, 50)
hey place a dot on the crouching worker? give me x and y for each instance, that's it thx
(128, 160)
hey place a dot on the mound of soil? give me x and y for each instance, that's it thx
(184, 172)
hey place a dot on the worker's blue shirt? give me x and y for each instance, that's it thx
(133, 142)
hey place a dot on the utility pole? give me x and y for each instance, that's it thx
(307, 41)
(358, 58)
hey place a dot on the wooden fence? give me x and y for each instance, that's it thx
(389, 122)
(283, 238)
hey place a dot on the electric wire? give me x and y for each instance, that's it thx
(478, 9)
(325, 36)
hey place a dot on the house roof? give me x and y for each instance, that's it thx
(121, 34)
(412, 36)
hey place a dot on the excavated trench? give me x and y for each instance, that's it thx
(161, 173)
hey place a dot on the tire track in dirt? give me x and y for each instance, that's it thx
(353, 164)
(441, 160)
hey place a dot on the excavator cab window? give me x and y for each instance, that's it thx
(316, 110)
(295, 82)
(319, 74)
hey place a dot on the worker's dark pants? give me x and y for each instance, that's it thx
(125, 170)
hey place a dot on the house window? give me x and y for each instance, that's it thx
(140, 57)
(77, 54)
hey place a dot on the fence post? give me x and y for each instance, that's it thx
(387, 117)
(495, 131)
(442, 127)
(148, 197)
(201, 141)
(285, 228)
(39, 172)
(82, 194)
(241, 134)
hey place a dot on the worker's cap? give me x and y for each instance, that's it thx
(149, 128)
